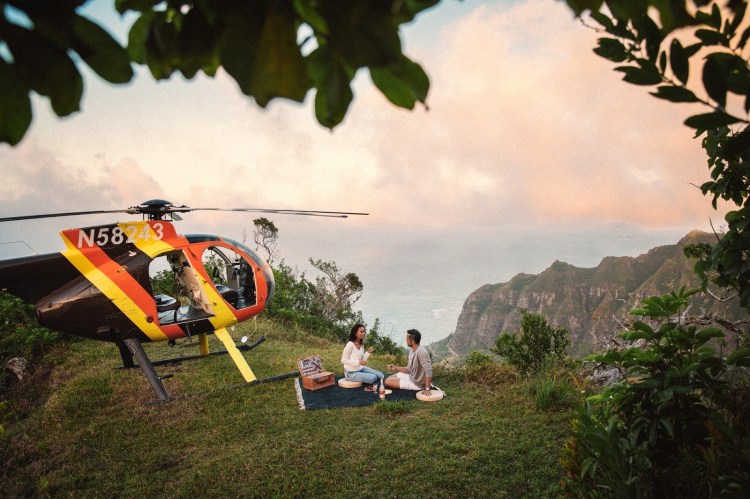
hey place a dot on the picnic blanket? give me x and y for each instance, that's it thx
(335, 396)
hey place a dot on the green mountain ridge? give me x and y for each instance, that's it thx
(591, 303)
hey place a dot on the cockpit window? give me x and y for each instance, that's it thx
(232, 275)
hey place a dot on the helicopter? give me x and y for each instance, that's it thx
(131, 283)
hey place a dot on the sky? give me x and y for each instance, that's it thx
(532, 145)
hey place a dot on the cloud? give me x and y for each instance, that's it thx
(526, 122)
(526, 126)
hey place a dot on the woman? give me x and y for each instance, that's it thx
(354, 359)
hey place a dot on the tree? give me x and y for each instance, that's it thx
(534, 346)
(337, 292)
(272, 48)
(650, 40)
(266, 236)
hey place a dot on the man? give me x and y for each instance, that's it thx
(417, 375)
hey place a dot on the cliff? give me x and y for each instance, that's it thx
(590, 303)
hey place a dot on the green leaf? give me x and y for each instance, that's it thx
(611, 49)
(628, 9)
(197, 41)
(308, 13)
(675, 94)
(123, 6)
(403, 84)
(264, 58)
(739, 15)
(742, 353)
(137, 37)
(714, 80)
(710, 121)
(279, 69)
(602, 19)
(639, 76)
(673, 15)
(331, 79)
(45, 68)
(362, 32)
(652, 36)
(636, 335)
(162, 47)
(15, 106)
(706, 334)
(100, 51)
(678, 60)
(579, 6)
(711, 37)
(743, 38)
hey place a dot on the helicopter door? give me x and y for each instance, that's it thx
(176, 289)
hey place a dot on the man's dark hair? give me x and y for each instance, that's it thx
(415, 335)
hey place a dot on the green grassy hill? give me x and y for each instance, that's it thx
(86, 431)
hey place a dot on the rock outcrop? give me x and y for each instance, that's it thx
(590, 303)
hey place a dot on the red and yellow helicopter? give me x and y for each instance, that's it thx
(135, 282)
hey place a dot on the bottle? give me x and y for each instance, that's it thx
(382, 390)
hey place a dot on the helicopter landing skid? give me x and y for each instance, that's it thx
(132, 347)
(147, 368)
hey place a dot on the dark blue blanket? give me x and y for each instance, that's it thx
(335, 396)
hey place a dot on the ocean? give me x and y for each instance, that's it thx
(423, 282)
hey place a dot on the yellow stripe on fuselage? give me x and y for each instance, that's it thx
(112, 291)
(151, 246)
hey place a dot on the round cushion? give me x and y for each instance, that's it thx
(433, 396)
(345, 383)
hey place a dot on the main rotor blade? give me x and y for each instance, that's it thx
(308, 213)
(68, 214)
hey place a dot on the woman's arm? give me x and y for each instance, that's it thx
(350, 357)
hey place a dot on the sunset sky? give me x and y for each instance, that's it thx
(528, 131)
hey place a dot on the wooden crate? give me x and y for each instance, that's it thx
(314, 376)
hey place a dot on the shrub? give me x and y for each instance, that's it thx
(670, 427)
(20, 334)
(538, 344)
(550, 393)
(477, 359)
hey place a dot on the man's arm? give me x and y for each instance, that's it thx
(424, 358)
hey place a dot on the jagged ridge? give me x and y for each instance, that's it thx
(586, 302)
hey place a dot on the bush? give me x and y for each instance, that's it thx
(535, 347)
(298, 301)
(20, 333)
(477, 359)
(550, 393)
(672, 427)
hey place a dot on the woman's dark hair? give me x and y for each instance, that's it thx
(353, 333)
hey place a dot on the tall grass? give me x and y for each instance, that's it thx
(95, 436)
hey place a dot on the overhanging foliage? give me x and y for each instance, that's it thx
(272, 49)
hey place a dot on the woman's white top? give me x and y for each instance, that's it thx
(352, 355)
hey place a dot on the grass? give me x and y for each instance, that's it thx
(95, 436)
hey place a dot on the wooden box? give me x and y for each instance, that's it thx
(314, 376)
